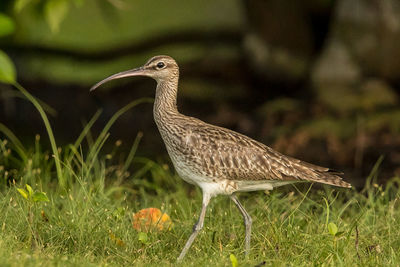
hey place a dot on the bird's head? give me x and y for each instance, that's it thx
(160, 68)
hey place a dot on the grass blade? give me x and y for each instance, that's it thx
(15, 141)
(46, 122)
(132, 152)
(103, 133)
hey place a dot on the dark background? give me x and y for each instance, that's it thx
(315, 79)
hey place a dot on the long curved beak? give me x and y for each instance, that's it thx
(134, 72)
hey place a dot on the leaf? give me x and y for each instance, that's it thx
(7, 69)
(54, 12)
(20, 4)
(234, 261)
(30, 190)
(7, 25)
(40, 197)
(23, 192)
(143, 237)
(332, 228)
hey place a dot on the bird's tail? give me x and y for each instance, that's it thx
(332, 177)
(320, 174)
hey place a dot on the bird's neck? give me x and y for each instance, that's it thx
(165, 101)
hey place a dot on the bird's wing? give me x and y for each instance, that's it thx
(225, 153)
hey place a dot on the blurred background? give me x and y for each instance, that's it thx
(314, 79)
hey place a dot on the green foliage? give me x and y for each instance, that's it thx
(32, 196)
(34, 101)
(332, 228)
(54, 12)
(40, 197)
(21, 4)
(234, 261)
(371, 95)
(7, 69)
(23, 193)
(7, 25)
(142, 237)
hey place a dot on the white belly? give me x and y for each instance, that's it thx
(212, 185)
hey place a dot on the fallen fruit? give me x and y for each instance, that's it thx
(151, 219)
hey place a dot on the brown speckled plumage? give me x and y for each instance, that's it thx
(219, 160)
(219, 153)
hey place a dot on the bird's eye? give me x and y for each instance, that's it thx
(160, 65)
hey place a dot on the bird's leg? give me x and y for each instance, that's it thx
(247, 222)
(197, 227)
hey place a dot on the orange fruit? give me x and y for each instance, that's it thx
(151, 219)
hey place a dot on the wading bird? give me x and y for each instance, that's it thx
(218, 160)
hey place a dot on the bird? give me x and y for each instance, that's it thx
(218, 160)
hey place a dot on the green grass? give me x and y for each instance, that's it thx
(102, 188)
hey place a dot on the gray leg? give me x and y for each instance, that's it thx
(247, 222)
(197, 227)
